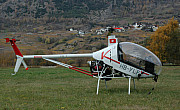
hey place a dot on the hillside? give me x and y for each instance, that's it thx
(43, 26)
(24, 13)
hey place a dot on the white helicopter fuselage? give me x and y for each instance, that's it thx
(109, 56)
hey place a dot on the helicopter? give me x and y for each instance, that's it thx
(117, 60)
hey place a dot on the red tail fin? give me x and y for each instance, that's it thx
(16, 50)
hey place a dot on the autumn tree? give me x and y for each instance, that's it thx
(163, 42)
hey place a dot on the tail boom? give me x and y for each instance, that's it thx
(20, 57)
(59, 56)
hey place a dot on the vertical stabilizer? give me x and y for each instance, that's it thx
(112, 40)
(15, 48)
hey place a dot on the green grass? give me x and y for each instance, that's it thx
(61, 88)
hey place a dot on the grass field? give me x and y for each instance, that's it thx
(60, 88)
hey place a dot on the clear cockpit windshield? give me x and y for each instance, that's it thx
(140, 57)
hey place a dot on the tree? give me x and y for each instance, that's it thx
(173, 47)
(162, 41)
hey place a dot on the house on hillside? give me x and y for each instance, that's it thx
(155, 27)
(101, 31)
(119, 29)
(137, 26)
(107, 28)
(81, 33)
(149, 27)
(72, 30)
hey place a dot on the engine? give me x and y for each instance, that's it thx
(96, 67)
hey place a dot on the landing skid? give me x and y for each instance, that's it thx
(100, 77)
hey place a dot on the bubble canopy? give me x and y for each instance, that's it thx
(139, 56)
